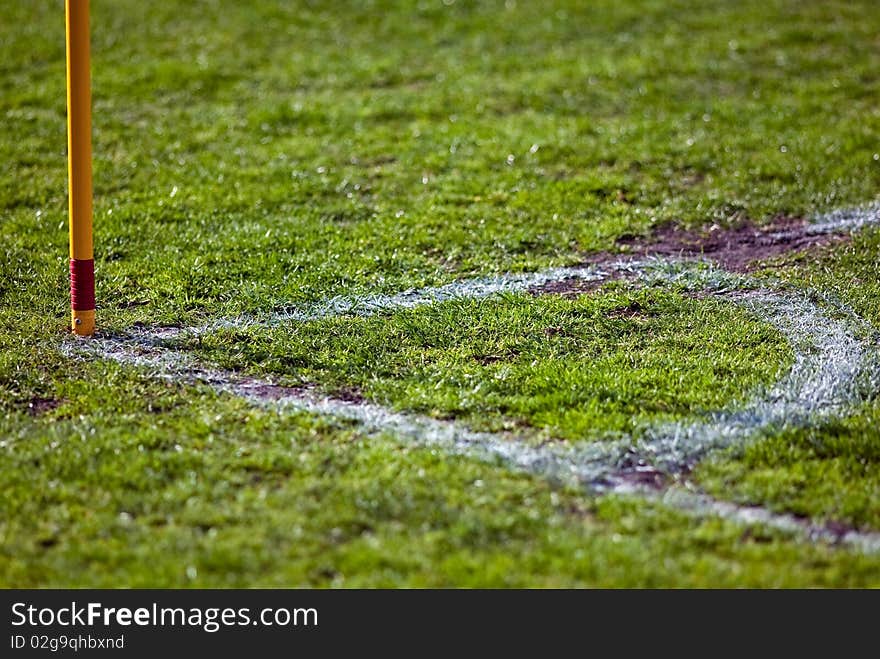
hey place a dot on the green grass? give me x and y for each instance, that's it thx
(832, 471)
(599, 364)
(251, 156)
(210, 492)
(329, 147)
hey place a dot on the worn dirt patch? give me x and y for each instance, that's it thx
(266, 391)
(643, 476)
(632, 311)
(485, 360)
(575, 287)
(38, 406)
(274, 392)
(738, 248)
(350, 395)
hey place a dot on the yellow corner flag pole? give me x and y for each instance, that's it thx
(79, 162)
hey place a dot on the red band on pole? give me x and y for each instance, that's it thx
(82, 284)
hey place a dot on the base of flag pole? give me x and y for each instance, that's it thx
(83, 322)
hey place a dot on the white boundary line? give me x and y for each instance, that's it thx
(814, 388)
(830, 364)
(705, 506)
(840, 221)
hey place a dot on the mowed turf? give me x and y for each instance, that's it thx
(580, 369)
(832, 471)
(252, 156)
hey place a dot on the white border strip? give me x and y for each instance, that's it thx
(830, 362)
(839, 221)
(700, 505)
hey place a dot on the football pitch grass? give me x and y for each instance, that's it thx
(254, 160)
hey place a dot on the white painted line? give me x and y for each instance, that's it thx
(830, 363)
(833, 363)
(833, 366)
(700, 505)
(370, 305)
(824, 379)
(845, 220)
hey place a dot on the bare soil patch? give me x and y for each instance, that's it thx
(737, 248)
